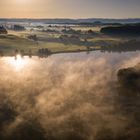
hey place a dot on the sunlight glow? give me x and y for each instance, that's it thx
(18, 63)
(22, 1)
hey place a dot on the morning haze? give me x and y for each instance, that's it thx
(69, 70)
(69, 8)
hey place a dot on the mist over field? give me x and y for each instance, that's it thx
(65, 98)
(69, 70)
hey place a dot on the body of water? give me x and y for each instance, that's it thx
(64, 97)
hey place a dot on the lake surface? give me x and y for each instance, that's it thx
(115, 60)
(64, 96)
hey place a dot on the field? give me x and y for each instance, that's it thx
(70, 96)
(64, 39)
(57, 40)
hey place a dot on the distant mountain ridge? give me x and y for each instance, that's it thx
(72, 21)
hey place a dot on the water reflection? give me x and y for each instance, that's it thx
(18, 63)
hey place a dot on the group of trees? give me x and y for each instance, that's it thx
(3, 30)
(129, 30)
(18, 28)
(44, 52)
(131, 45)
(33, 37)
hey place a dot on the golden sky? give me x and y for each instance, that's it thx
(69, 8)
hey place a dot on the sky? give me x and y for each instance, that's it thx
(69, 8)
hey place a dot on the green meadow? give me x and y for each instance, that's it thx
(52, 41)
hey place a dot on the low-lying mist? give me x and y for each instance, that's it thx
(65, 99)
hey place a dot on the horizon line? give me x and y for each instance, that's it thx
(71, 18)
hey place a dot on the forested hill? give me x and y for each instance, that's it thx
(129, 29)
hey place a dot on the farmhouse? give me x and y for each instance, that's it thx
(3, 30)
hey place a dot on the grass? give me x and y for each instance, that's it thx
(96, 29)
(18, 40)
(59, 47)
(9, 43)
